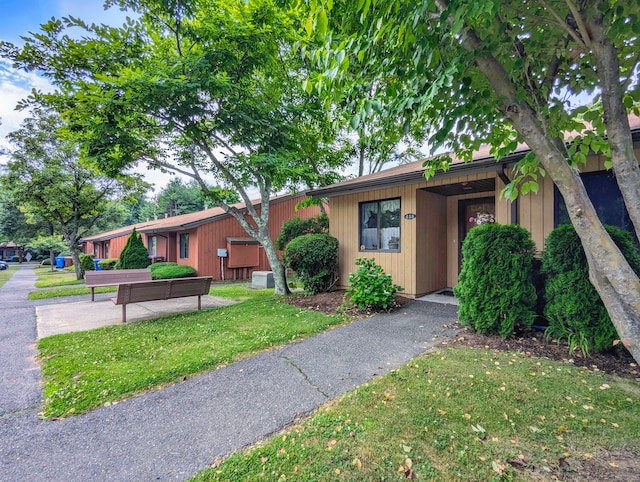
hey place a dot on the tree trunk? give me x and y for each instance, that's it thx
(279, 272)
(52, 258)
(72, 242)
(623, 159)
(609, 271)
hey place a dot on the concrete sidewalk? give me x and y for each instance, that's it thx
(175, 432)
(65, 317)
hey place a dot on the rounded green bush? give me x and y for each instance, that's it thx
(169, 271)
(108, 264)
(495, 288)
(573, 307)
(371, 288)
(295, 227)
(314, 258)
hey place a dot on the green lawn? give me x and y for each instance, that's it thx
(47, 278)
(5, 274)
(458, 414)
(88, 369)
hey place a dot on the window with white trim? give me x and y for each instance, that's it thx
(380, 225)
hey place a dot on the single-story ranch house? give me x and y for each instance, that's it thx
(198, 239)
(414, 227)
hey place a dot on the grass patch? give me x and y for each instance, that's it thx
(84, 370)
(71, 291)
(236, 292)
(457, 414)
(5, 274)
(48, 278)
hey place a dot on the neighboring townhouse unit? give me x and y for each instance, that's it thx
(198, 239)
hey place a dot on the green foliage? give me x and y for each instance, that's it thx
(134, 255)
(314, 258)
(292, 228)
(371, 288)
(86, 262)
(573, 307)
(171, 270)
(108, 263)
(495, 287)
(46, 262)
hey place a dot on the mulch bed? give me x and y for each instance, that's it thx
(616, 361)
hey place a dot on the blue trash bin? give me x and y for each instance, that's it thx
(96, 263)
(59, 261)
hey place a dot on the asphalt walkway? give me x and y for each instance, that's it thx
(174, 433)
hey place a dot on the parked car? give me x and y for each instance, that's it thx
(3, 265)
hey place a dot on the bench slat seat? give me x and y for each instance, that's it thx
(93, 279)
(139, 291)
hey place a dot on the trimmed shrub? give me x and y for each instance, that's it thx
(171, 270)
(314, 258)
(295, 227)
(108, 264)
(495, 288)
(45, 262)
(86, 262)
(573, 307)
(135, 254)
(371, 288)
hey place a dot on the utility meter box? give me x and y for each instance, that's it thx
(262, 279)
(222, 252)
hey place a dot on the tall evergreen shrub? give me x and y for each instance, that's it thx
(573, 307)
(86, 262)
(135, 254)
(314, 258)
(495, 288)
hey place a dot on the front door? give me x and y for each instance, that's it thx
(471, 213)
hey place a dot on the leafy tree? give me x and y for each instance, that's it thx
(53, 244)
(48, 182)
(178, 198)
(503, 72)
(134, 255)
(194, 88)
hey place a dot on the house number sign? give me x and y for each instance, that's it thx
(409, 216)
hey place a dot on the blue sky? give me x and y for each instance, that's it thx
(18, 18)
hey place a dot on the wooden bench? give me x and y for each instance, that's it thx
(162, 289)
(93, 279)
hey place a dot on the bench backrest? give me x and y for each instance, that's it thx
(162, 289)
(116, 276)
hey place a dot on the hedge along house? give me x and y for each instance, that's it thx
(414, 227)
(210, 241)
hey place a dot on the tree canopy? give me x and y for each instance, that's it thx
(49, 184)
(505, 72)
(195, 88)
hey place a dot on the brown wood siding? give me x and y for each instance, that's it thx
(116, 245)
(211, 236)
(431, 242)
(344, 225)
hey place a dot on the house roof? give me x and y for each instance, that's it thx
(181, 222)
(413, 172)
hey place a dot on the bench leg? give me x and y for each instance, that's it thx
(124, 313)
